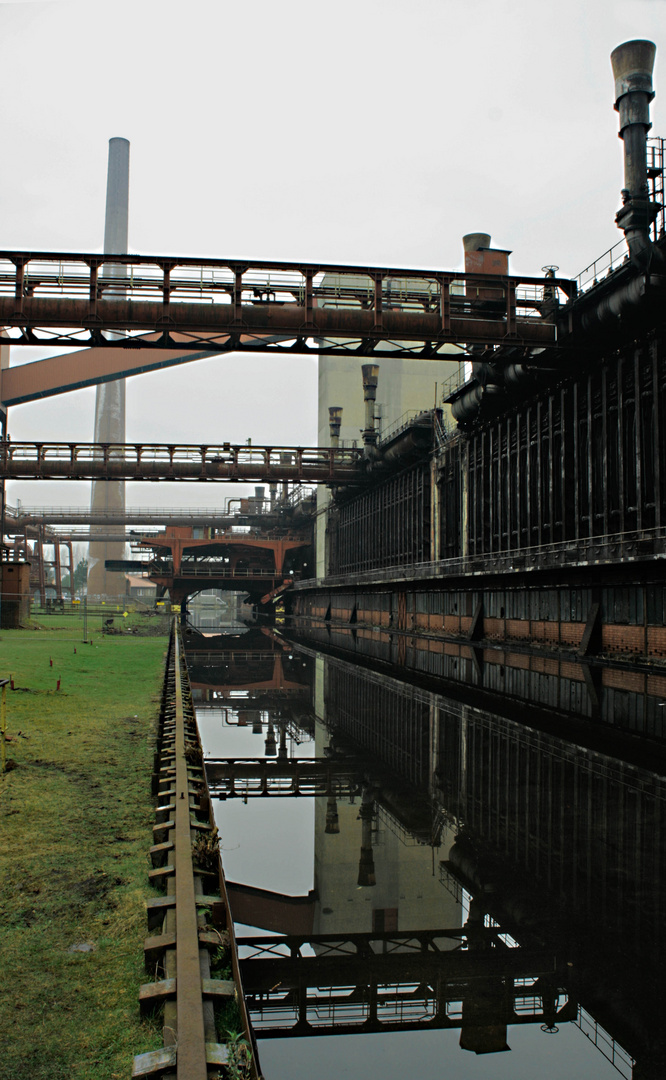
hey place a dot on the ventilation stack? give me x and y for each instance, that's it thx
(334, 423)
(632, 65)
(109, 495)
(370, 374)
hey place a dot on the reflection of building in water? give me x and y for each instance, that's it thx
(370, 872)
(374, 873)
(536, 684)
(556, 842)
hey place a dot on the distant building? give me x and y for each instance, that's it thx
(141, 587)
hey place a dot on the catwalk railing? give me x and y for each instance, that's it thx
(635, 546)
(147, 461)
(70, 515)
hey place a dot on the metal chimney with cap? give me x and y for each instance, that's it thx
(632, 64)
(334, 423)
(370, 374)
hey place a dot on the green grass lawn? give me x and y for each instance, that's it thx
(75, 828)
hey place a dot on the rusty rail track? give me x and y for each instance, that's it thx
(190, 926)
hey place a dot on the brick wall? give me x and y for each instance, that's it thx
(623, 639)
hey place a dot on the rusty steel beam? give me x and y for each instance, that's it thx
(88, 367)
(188, 305)
(143, 461)
(184, 921)
(215, 326)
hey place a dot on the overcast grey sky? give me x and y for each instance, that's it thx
(369, 132)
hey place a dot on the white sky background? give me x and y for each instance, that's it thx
(355, 132)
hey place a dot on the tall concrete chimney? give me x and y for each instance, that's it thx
(632, 64)
(110, 399)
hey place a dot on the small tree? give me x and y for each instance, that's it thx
(80, 575)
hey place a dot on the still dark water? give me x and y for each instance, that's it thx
(464, 891)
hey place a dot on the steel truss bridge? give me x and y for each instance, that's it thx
(150, 461)
(73, 299)
(323, 984)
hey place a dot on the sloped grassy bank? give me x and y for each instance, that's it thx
(75, 827)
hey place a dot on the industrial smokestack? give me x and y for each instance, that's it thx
(110, 398)
(370, 374)
(334, 423)
(632, 65)
(476, 241)
(116, 222)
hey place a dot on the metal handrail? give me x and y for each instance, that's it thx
(605, 264)
(152, 511)
(217, 572)
(536, 556)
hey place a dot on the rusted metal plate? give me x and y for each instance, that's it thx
(162, 813)
(160, 874)
(162, 829)
(156, 908)
(159, 851)
(216, 1053)
(153, 993)
(154, 1062)
(153, 948)
(218, 987)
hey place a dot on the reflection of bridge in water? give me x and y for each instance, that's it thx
(468, 978)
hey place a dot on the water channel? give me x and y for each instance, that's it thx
(455, 872)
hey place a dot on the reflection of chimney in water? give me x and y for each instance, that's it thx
(332, 820)
(255, 716)
(484, 1013)
(282, 752)
(366, 866)
(270, 748)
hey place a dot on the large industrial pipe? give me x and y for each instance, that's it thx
(632, 65)
(370, 374)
